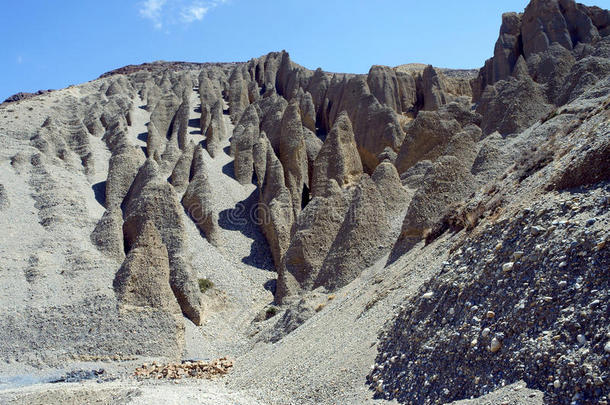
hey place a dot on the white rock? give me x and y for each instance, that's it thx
(495, 345)
(557, 384)
(581, 339)
(486, 332)
(607, 347)
(506, 267)
(428, 295)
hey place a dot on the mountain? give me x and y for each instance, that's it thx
(415, 234)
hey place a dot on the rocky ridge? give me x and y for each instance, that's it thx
(222, 172)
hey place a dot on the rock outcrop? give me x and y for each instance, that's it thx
(108, 234)
(122, 170)
(315, 230)
(197, 200)
(277, 214)
(337, 160)
(152, 199)
(426, 139)
(143, 279)
(181, 175)
(244, 135)
(447, 181)
(216, 131)
(362, 238)
(537, 54)
(293, 154)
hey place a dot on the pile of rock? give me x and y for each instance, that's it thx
(186, 369)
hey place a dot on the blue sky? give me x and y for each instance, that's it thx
(55, 43)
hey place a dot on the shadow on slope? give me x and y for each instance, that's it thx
(243, 218)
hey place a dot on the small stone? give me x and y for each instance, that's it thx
(498, 246)
(428, 295)
(562, 264)
(557, 384)
(607, 347)
(506, 267)
(490, 314)
(486, 332)
(590, 221)
(581, 339)
(562, 283)
(495, 345)
(536, 230)
(518, 255)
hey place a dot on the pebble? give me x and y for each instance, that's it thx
(495, 345)
(518, 255)
(581, 339)
(607, 347)
(590, 221)
(537, 230)
(490, 314)
(498, 246)
(486, 332)
(506, 267)
(428, 295)
(557, 384)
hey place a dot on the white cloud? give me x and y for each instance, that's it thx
(151, 9)
(194, 13)
(173, 12)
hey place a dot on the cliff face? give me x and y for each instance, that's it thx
(312, 203)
